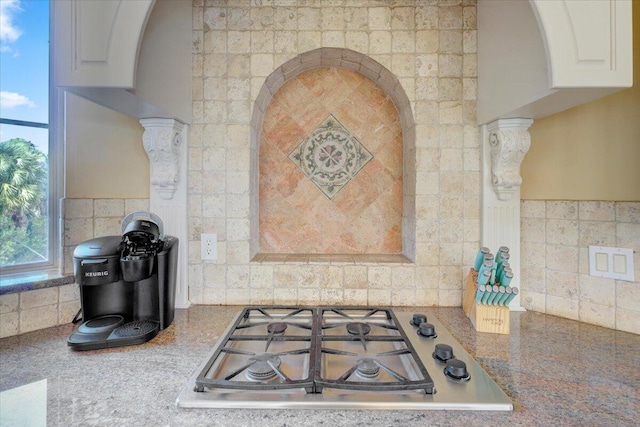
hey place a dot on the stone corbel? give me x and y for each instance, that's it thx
(509, 141)
(161, 140)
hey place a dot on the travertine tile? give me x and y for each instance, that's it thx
(596, 211)
(332, 278)
(533, 254)
(109, 208)
(533, 209)
(562, 284)
(38, 298)
(533, 230)
(9, 303)
(451, 277)
(285, 296)
(77, 230)
(238, 296)
(403, 297)
(597, 233)
(597, 314)
(379, 296)
(427, 297)
(67, 311)
(534, 301)
(562, 258)
(214, 276)
(107, 226)
(533, 279)
(355, 297)
(308, 296)
(628, 235)
(238, 276)
(78, 208)
(449, 298)
(309, 276)
(213, 296)
(32, 319)
(562, 232)
(598, 290)
(562, 209)
(133, 205)
(627, 295)
(403, 278)
(628, 212)
(627, 320)
(9, 324)
(69, 293)
(563, 307)
(379, 277)
(261, 276)
(355, 277)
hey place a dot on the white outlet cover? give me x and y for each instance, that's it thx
(618, 265)
(208, 246)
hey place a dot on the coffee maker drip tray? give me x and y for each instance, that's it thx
(112, 331)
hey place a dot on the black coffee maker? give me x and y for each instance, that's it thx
(127, 284)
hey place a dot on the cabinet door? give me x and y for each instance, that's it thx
(96, 42)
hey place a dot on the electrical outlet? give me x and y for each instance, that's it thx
(208, 247)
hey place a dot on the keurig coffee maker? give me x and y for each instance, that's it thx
(127, 284)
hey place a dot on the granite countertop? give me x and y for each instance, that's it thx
(556, 371)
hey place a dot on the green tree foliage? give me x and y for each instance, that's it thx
(23, 201)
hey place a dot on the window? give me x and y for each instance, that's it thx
(28, 159)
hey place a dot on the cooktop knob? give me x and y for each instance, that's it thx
(443, 352)
(418, 319)
(457, 370)
(427, 330)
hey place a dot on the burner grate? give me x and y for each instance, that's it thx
(261, 348)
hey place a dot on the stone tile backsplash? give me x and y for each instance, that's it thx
(556, 236)
(243, 52)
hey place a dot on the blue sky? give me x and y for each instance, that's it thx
(24, 67)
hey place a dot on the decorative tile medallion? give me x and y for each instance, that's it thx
(330, 156)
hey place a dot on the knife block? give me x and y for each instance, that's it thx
(484, 318)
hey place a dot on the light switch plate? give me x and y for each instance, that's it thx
(611, 263)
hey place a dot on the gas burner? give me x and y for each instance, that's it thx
(456, 370)
(358, 328)
(276, 328)
(367, 368)
(262, 366)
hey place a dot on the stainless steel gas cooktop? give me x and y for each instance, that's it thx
(340, 358)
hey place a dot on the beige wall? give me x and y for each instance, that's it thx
(590, 152)
(104, 153)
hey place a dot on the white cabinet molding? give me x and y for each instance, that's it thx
(96, 42)
(161, 140)
(509, 141)
(504, 144)
(166, 143)
(540, 57)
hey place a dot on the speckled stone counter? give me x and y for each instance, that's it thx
(556, 371)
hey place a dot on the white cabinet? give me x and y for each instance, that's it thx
(96, 42)
(539, 57)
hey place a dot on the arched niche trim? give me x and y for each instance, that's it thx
(355, 61)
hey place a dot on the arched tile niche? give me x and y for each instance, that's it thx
(296, 211)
